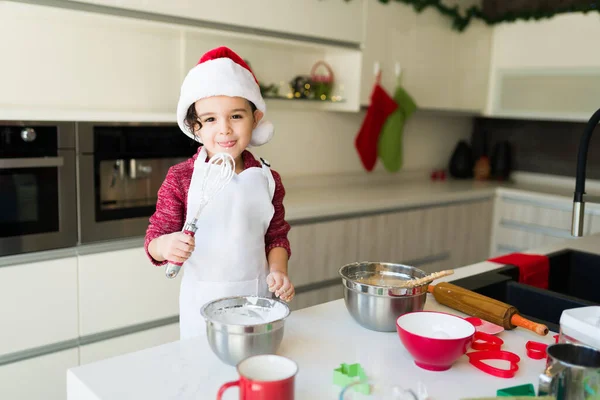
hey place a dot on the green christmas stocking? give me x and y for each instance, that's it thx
(389, 146)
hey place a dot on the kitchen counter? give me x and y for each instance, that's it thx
(331, 197)
(319, 339)
(318, 199)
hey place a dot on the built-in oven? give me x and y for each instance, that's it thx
(121, 168)
(38, 205)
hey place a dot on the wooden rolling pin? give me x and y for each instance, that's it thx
(486, 308)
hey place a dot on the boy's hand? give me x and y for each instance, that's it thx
(176, 246)
(279, 283)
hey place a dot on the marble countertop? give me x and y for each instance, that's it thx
(319, 339)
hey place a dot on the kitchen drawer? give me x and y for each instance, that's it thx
(319, 250)
(318, 296)
(403, 236)
(129, 343)
(550, 215)
(38, 378)
(122, 288)
(519, 239)
(469, 232)
(594, 225)
(38, 304)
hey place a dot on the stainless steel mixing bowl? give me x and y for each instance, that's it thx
(233, 342)
(373, 300)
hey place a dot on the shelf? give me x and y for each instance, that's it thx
(277, 61)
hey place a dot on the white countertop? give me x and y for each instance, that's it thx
(319, 339)
(332, 196)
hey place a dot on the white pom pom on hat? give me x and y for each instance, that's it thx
(221, 72)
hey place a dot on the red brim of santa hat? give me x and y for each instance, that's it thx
(221, 72)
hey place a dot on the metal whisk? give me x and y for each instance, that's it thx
(217, 174)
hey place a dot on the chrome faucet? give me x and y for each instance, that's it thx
(578, 200)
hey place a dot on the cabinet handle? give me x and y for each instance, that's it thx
(32, 162)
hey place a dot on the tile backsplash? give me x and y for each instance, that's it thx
(545, 147)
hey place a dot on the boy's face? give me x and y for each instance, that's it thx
(227, 124)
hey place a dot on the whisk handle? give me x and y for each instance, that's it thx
(173, 267)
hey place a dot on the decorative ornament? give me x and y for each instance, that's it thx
(460, 20)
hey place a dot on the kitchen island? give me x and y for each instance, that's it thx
(319, 339)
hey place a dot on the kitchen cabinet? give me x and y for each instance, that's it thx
(43, 377)
(441, 68)
(531, 78)
(317, 296)
(90, 63)
(278, 61)
(526, 222)
(115, 68)
(594, 225)
(332, 19)
(38, 304)
(469, 229)
(320, 249)
(122, 288)
(128, 343)
(403, 236)
(430, 238)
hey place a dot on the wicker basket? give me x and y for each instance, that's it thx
(321, 85)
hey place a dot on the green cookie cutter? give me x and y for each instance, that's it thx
(349, 373)
(517, 391)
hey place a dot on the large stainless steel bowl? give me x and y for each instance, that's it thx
(373, 296)
(231, 340)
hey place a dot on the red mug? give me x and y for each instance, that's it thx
(264, 377)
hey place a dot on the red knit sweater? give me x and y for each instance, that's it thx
(171, 206)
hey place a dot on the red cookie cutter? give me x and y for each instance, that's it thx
(536, 350)
(476, 357)
(485, 341)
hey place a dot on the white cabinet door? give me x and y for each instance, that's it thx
(537, 64)
(86, 62)
(129, 343)
(38, 378)
(331, 19)
(38, 304)
(122, 288)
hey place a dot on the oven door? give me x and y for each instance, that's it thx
(37, 203)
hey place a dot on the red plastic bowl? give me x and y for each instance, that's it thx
(434, 339)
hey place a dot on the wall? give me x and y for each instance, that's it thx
(545, 147)
(322, 143)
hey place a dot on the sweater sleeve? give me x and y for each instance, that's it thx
(169, 216)
(278, 228)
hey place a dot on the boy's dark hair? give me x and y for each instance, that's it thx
(191, 118)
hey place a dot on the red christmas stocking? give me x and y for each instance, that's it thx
(382, 105)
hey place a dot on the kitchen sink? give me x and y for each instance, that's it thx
(573, 282)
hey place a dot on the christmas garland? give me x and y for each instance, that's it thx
(461, 20)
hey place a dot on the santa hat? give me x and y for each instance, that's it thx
(221, 72)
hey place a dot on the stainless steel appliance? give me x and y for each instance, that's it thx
(37, 186)
(121, 169)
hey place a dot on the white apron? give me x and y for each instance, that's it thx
(229, 258)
